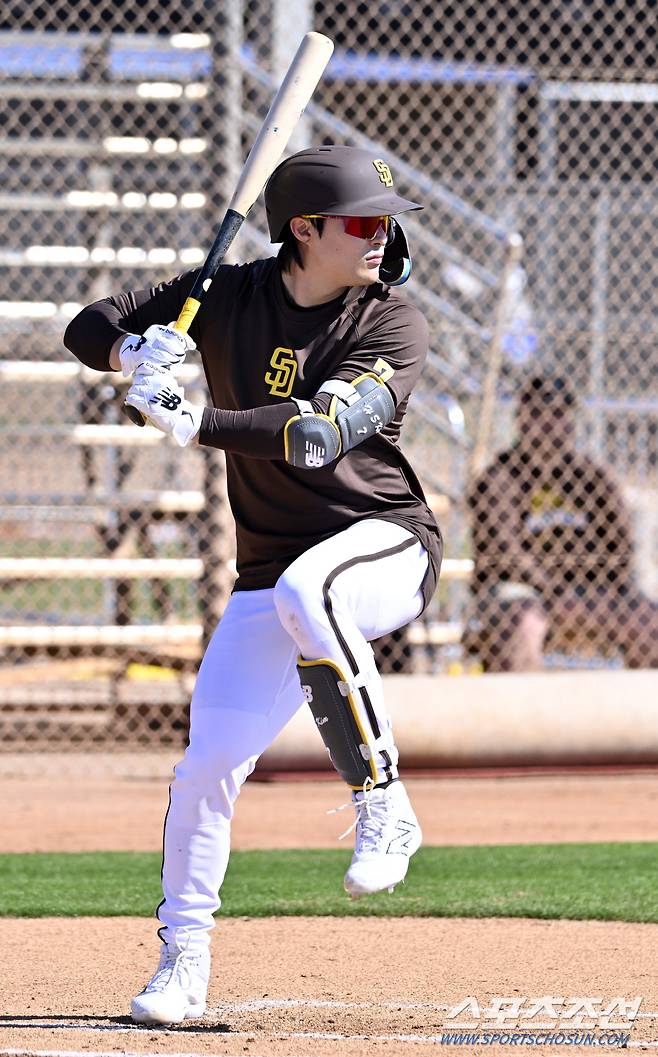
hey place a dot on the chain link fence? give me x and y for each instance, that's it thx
(529, 132)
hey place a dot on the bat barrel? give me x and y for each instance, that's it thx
(305, 70)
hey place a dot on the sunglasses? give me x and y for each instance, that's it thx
(359, 227)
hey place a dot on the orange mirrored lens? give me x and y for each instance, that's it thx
(364, 227)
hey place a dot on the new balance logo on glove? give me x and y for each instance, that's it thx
(159, 347)
(169, 400)
(165, 406)
(134, 345)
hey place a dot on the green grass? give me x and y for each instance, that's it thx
(609, 882)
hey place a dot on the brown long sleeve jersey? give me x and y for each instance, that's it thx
(259, 349)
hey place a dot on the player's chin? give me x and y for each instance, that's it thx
(368, 273)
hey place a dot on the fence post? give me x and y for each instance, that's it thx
(224, 26)
(495, 362)
(215, 543)
(599, 306)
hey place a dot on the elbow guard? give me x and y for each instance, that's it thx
(310, 441)
(360, 408)
(357, 411)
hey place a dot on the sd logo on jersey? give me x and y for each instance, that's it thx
(282, 377)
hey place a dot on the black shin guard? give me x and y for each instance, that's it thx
(352, 746)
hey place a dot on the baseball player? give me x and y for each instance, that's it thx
(553, 547)
(310, 358)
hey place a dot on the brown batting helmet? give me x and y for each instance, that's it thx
(344, 181)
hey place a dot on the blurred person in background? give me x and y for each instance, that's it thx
(553, 548)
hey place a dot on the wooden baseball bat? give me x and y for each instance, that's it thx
(305, 70)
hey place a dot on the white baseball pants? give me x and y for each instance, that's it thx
(248, 688)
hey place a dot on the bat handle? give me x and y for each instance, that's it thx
(183, 323)
(227, 232)
(134, 415)
(187, 314)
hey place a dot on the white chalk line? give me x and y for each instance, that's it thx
(325, 1036)
(233, 1008)
(254, 1005)
(24, 1052)
(207, 1031)
(59, 1026)
(99, 1053)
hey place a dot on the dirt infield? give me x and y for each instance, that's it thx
(335, 987)
(298, 987)
(47, 812)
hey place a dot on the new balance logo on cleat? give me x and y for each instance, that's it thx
(402, 841)
(169, 400)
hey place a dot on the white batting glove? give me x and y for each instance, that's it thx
(161, 400)
(159, 346)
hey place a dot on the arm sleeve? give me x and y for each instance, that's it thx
(395, 347)
(257, 432)
(92, 333)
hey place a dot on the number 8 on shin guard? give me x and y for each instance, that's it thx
(347, 732)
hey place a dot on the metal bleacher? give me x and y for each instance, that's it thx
(118, 202)
(94, 201)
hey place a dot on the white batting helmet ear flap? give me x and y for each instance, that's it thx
(395, 269)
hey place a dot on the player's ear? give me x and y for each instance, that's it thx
(301, 228)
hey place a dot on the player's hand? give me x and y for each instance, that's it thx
(161, 400)
(159, 346)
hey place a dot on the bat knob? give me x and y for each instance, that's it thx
(134, 415)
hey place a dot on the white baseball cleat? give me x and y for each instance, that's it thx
(387, 835)
(177, 990)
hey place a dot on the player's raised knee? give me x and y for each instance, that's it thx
(298, 599)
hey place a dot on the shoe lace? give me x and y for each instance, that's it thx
(175, 965)
(362, 808)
